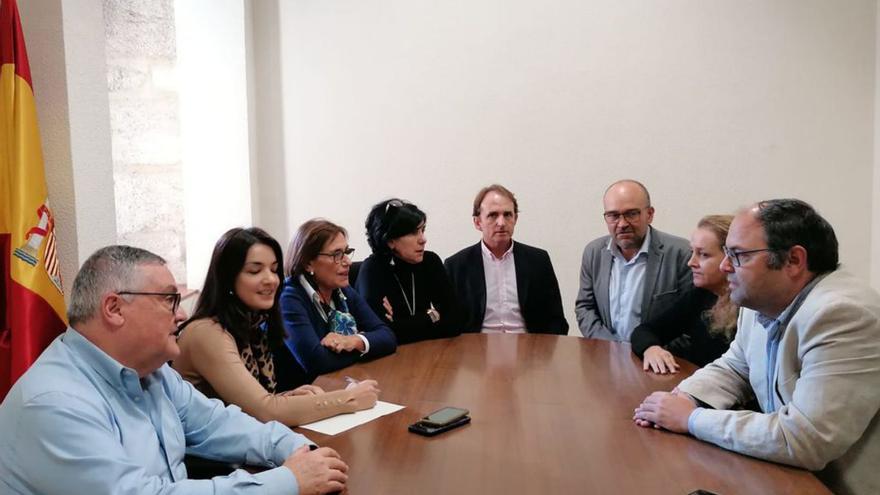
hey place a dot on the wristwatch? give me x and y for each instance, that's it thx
(433, 315)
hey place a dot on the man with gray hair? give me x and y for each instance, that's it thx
(101, 411)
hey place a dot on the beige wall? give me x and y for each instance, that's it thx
(711, 104)
(875, 218)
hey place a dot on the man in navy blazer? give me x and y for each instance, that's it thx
(505, 286)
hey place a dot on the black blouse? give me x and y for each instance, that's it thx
(683, 330)
(378, 279)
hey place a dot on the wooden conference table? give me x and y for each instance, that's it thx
(549, 415)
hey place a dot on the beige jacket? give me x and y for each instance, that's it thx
(827, 388)
(209, 360)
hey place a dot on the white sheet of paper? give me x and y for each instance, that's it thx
(344, 422)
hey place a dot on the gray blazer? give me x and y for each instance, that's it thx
(827, 388)
(666, 276)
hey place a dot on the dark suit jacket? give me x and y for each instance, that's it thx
(537, 288)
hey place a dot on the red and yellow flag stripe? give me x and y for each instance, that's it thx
(31, 297)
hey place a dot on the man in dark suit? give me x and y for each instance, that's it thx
(505, 286)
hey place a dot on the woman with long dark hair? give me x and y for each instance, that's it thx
(232, 347)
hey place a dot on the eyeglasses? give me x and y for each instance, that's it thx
(172, 298)
(337, 255)
(734, 256)
(613, 217)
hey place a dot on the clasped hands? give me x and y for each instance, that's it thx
(342, 343)
(667, 410)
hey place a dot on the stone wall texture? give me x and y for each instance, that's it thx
(145, 124)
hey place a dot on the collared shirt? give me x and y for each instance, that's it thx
(316, 300)
(775, 328)
(502, 300)
(626, 288)
(80, 422)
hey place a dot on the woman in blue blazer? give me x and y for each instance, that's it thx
(329, 326)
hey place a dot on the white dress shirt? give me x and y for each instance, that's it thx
(502, 300)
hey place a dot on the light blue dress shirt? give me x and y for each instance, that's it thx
(80, 422)
(626, 288)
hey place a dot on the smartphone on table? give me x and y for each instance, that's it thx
(441, 420)
(442, 417)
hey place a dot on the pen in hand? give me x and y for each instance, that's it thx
(364, 393)
(351, 382)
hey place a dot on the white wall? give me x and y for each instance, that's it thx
(65, 43)
(267, 133)
(214, 126)
(711, 104)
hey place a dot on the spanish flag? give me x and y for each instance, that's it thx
(31, 300)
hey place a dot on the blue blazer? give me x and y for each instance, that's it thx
(305, 328)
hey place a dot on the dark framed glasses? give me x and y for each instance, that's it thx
(734, 256)
(171, 298)
(613, 217)
(338, 255)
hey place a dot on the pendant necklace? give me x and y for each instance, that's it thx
(410, 307)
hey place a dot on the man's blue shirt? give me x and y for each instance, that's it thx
(627, 288)
(80, 422)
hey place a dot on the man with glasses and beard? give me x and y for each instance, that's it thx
(633, 273)
(807, 348)
(101, 411)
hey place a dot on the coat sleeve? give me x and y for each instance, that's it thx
(215, 357)
(465, 302)
(834, 400)
(443, 297)
(371, 285)
(304, 336)
(669, 324)
(685, 274)
(381, 338)
(585, 306)
(555, 322)
(724, 383)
